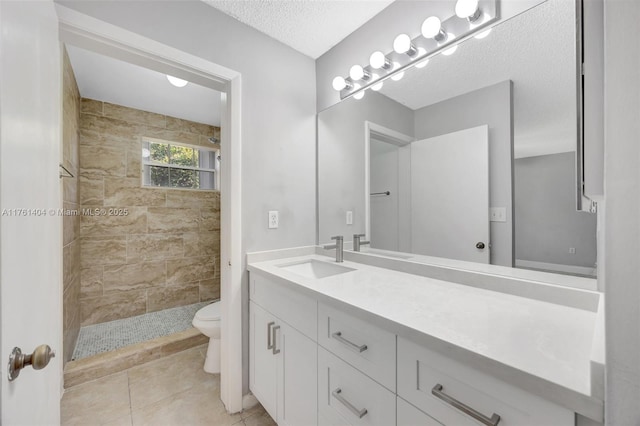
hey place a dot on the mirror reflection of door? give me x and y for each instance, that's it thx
(383, 178)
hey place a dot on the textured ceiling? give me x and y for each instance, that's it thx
(309, 26)
(110, 80)
(536, 50)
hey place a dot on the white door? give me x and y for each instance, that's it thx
(450, 195)
(30, 239)
(262, 360)
(383, 178)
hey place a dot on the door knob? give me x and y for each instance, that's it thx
(39, 359)
(480, 245)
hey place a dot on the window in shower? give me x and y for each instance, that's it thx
(174, 165)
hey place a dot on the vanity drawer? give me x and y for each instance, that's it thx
(292, 307)
(408, 415)
(367, 347)
(348, 397)
(421, 372)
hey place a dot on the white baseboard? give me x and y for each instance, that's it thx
(556, 267)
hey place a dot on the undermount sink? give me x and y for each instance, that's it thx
(315, 268)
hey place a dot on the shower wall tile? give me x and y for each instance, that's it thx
(113, 306)
(118, 278)
(173, 220)
(127, 192)
(164, 251)
(70, 223)
(171, 297)
(104, 250)
(190, 269)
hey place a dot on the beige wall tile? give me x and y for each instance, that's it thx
(172, 220)
(102, 160)
(171, 297)
(181, 271)
(97, 138)
(201, 244)
(133, 115)
(91, 282)
(91, 106)
(209, 290)
(134, 162)
(113, 306)
(110, 126)
(120, 278)
(170, 135)
(194, 199)
(210, 220)
(154, 247)
(91, 190)
(189, 126)
(128, 192)
(135, 222)
(70, 223)
(71, 317)
(71, 264)
(70, 186)
(103, 250)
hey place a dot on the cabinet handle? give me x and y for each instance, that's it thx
(493, 421)
(269, 343)
(273, 330)
(337, 395)
(358, 348)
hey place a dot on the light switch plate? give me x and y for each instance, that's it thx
(273, 219)
(349, 217)
(498, 214)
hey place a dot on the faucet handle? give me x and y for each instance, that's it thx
(338, 238)
(358, 235)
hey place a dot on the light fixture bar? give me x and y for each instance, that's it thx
(457, 30)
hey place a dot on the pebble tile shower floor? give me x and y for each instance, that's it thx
(112, 335)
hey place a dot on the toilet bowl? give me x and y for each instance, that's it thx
(207, 320)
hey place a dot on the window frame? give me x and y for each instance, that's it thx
(148, 162)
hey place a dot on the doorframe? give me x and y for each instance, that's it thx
(89, 33)
(384, 134)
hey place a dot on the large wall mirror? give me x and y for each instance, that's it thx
(471, 157)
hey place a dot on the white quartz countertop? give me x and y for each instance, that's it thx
(544, 340)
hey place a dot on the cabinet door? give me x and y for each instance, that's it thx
(297, 378)
(262, 360)
(408, 415)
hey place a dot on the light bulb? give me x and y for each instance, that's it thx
(432, 27)
(178, 82)
(359, 95)
(357, 73)
(339, 83)
(377, 86)
(422, 64)
(450, 51)
(421, 53)
(483, 34)
(402, 44)
(398, 76)
(377, 60)
(467, 9)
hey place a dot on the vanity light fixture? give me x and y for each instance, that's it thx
(402, 44)
(339, 83)
(432, 28)
(472, 18)
(358, 73)
(178, 82)
(377, 60)
(468, 9)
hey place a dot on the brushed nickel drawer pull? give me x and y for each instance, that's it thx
(493, 421)
(337, 394)
(269, 343)
(358, 348)
(273, 330)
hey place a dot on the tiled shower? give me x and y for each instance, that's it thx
(130, 252)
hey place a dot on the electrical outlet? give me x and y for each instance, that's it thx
(273, 219)
(349, 217)
(572, 250)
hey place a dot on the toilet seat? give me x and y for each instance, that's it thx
(209, 313)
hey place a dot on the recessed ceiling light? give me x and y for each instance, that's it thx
(178, 82)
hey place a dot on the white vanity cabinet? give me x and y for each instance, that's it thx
(283, 360)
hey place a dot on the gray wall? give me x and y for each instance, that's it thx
(492, 106)
(278, 116)
(341, 178)
(622, 218)
(547, 221)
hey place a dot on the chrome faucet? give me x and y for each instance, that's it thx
(357, 242)
(339, 246)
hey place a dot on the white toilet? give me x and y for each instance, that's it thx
(207, 320)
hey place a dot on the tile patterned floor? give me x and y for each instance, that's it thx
(112, 335)
(170, 391)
